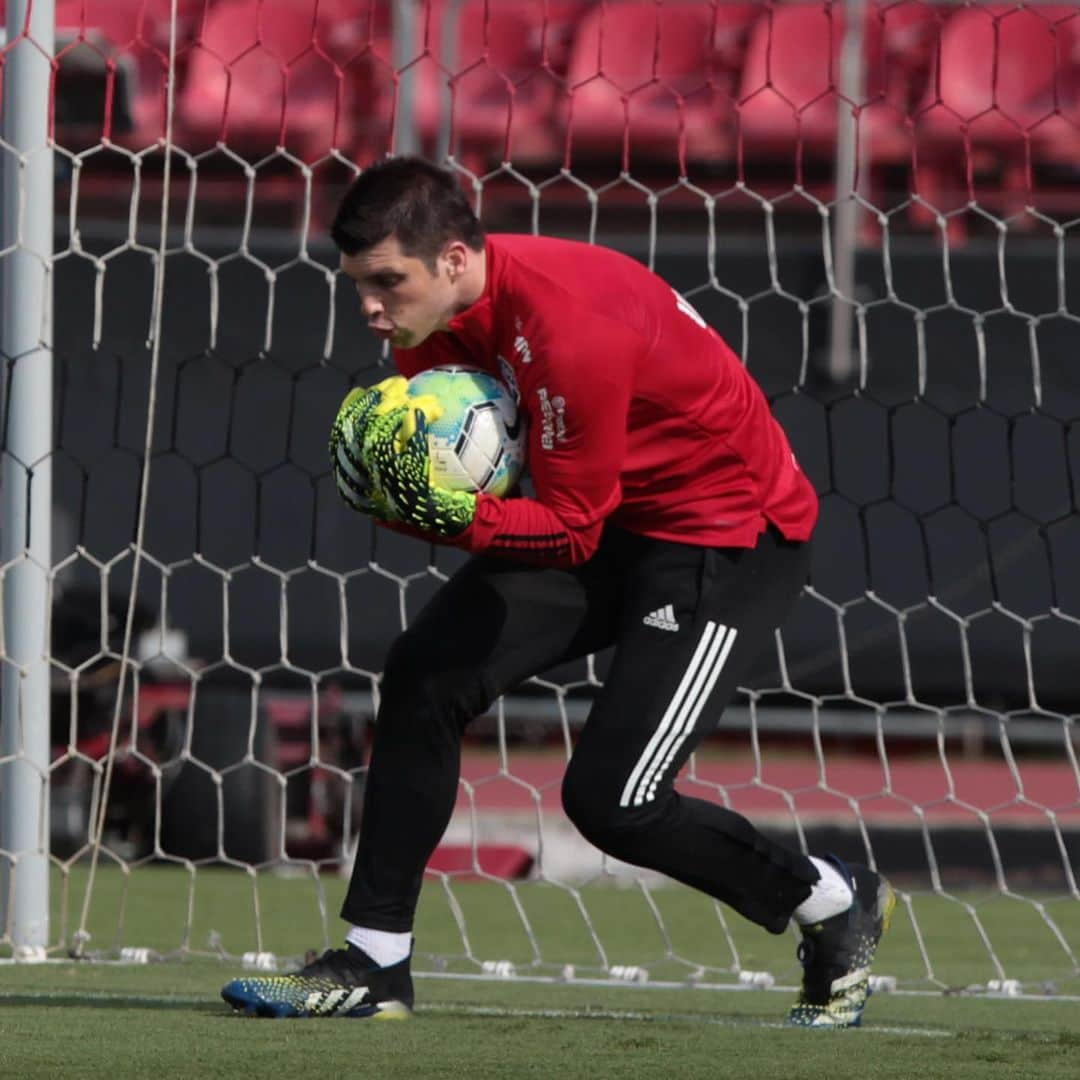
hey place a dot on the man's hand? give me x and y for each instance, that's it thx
(351, 475)
(395, 450)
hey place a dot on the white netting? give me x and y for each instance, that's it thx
(874, 202)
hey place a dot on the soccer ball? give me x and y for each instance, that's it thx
(478, 443)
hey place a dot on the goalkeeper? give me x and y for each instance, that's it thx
(670, 520)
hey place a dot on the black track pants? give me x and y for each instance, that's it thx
(686, 623)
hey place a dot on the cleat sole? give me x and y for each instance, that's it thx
(275, 1010)
(247, 1003)
(393, 1010)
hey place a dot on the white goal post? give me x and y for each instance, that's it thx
(26, 183)
(194, 625)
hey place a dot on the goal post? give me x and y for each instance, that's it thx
(26, 560)
(195, 626)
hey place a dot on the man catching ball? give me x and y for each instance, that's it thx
(670, 520)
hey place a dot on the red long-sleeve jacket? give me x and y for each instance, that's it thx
(639, 414)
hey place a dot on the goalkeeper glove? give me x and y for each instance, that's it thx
(396, 452)
(347, 439)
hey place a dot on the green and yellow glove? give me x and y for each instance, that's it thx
(395, 451)
(351, 475)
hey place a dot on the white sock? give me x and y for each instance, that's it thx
(830, 895)
(385, 948)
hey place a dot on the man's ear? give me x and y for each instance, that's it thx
(456, 256)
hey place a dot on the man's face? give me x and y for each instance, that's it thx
(402, 300)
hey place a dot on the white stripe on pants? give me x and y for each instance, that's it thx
(681, 715)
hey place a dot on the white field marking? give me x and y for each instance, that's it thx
(739, 988)
(500, 1011)
(496, 1011)
(545, 980)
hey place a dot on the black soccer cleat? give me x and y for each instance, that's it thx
(341, 982)
(836, 953)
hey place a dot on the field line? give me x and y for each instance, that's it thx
(501, 1011)
(465, 1009)
(969, 993)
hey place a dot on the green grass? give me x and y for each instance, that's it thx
(150, 908)
(103, 1019)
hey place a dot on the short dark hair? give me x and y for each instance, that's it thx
(423, 205)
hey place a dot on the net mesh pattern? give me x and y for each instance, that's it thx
(874, 202)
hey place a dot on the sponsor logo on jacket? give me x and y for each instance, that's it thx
(552, 418)
(521, 344)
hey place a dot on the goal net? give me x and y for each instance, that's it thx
(875, 202)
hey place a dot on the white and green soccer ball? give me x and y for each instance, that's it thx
(478, 443)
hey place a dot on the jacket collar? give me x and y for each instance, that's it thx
(475, 326)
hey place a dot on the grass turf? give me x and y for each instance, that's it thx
(97, 1019)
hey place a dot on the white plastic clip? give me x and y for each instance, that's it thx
(259, 961)
(30, 954)
(763, 980)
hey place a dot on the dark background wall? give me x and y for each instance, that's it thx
(946, 468)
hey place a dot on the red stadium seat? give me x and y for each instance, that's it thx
(1005, 97)
(265, 73)
(112, 66)
(790, 98)
(656, 78)
(787, 95)
(507, 861)
(506, 63)
(790, 90)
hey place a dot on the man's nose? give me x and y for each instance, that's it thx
(370, 305)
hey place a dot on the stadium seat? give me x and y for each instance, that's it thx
(510, 862)
(656, 76)
(787, 94)
(112, 64)
(506, 64)
(265, 73)
(790, 88)
(1006, 97)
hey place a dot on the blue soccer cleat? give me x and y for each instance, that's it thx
(836, 953)
(342, 982)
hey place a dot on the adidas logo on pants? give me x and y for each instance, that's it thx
(663, 618)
